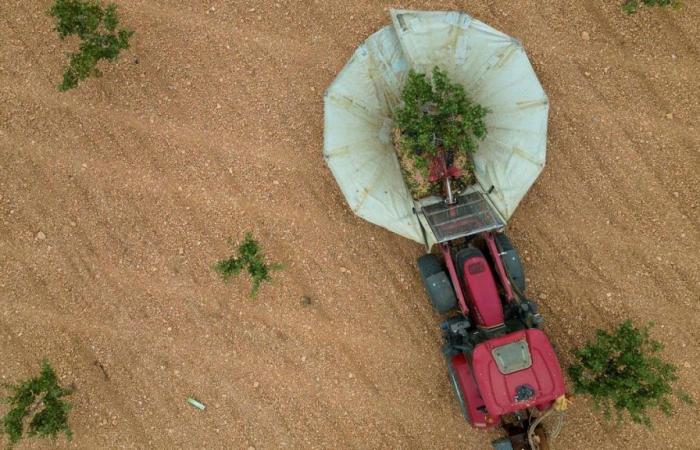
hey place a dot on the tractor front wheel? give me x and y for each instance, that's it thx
(456, 387)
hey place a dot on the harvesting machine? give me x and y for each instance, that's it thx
(502, 366)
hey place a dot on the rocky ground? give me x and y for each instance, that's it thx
(116, 198)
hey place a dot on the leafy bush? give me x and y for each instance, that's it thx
(100, 39)
(37, 401)
(631, 6)
(437, 115)
(622, 370)
(249, 257)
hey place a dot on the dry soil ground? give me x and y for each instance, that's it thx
(117, 197)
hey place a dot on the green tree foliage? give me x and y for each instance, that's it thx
(38, 402)
(249, 257)
(97, 28)
(631, 6)
(437, 113)
(621, 371)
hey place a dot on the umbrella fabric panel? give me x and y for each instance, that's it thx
(497, 74)
(359, 107)
(358, 144)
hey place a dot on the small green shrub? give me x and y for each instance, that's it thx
(37, 401)
(631, 6)
(621, 370)
(436, 115)
(100, 39)
(249, 257)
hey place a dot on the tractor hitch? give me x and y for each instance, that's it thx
(516, 438)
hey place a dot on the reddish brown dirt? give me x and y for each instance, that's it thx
(136, 180)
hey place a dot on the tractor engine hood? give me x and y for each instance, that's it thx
(517, 371)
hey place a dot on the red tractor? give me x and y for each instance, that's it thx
(501, 364)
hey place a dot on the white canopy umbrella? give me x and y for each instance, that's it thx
(359, 105)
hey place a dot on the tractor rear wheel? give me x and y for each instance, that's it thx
(437, 283)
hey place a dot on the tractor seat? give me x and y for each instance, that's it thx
(480, 287)
(463, 255)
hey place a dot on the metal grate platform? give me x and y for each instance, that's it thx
(471, 214)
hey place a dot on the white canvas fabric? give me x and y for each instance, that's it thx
(359, 105)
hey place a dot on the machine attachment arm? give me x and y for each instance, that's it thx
(493, 250)
(447, 255)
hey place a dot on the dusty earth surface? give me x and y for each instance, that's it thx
(116, 199)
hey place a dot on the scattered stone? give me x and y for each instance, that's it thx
(609, 294)
(585, 36)
(40, 236)
(686, 365)
(344, 270)
(256, 385)
(669, 116)
(350, 375)
(542, 296)
(73, 223)
(303, 359)
(181, 251)
(588, 74)
(103, 369)
(676, 194)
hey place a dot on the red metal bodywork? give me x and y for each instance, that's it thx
(439, 170)
(459, 286)
(472, 398)
(481, 290)
(498, 390)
